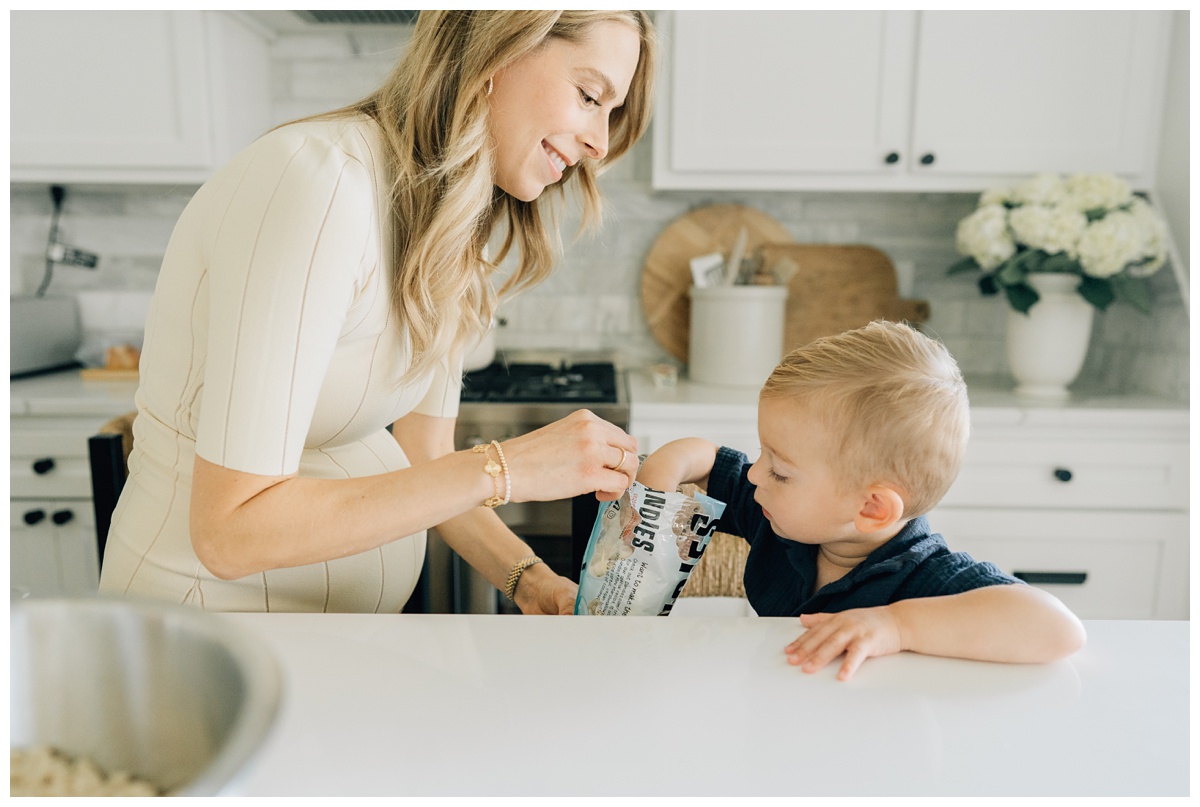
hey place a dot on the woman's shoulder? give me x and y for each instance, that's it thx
(334, 139)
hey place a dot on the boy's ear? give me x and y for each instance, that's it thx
(882, 507)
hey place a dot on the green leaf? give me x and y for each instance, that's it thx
(1060, 262)
(965, 265)
(1021, 297)
(1010, 272)
(1095, 214)
(1133, 290)
(1097, 291)
(988, 286)
(1032, 260)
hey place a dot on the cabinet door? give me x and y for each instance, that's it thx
(1114, 565)
(764, 93)
(52, 549)
(109, 89)
(1023, 92)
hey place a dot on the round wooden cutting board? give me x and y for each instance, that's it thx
(667, 275)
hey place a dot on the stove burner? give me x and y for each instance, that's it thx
(541, 383)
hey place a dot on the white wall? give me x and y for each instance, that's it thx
(1174, 161)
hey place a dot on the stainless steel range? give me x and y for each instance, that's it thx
(518, 393)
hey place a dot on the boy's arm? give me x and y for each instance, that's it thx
(1011, 623)
(678, 462)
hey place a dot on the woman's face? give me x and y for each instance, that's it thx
(550, 108)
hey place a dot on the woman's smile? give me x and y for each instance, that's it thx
(557, 161)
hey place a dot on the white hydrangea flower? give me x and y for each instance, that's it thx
(995, 196)
(1043, 189)
(1091, 191)
(1154, 235)
(984, 236)
(1051, 229)
(1110, 244)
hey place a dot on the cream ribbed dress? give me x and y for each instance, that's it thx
(271, 347)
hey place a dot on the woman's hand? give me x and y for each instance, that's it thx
(581, 453)
(541, 591)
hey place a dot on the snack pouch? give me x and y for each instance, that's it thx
(642, 548)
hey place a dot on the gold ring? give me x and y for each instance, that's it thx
(624, 456)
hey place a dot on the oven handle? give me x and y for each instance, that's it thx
(584, 509)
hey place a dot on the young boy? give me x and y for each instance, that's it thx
(862, 433)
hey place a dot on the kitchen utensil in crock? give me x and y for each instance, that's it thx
(667, 274)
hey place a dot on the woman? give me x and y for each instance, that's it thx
(326, 283)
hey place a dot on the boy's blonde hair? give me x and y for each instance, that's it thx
(894, 403)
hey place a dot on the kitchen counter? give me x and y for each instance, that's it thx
(67, 394)
(992, 401)
(425, 705)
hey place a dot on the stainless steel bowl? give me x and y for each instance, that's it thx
(172, 695)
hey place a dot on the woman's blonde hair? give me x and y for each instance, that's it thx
(433, 111)
(894, 403)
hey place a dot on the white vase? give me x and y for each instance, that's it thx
(1047, 346)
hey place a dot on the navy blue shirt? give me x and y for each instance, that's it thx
(781, 575)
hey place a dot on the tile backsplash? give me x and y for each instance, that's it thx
(592, 302)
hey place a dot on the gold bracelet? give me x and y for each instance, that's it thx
(493, 470)
(507, 478)
(510, 587)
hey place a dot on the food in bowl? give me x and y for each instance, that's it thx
(46, 771)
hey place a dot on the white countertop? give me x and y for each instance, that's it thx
(67, 394)
(497, 705)
(992, 401)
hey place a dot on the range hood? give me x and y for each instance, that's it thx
(292, 22)
(357, 17)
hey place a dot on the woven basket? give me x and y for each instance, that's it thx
(719, 570)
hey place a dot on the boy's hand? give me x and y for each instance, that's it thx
(860, 633)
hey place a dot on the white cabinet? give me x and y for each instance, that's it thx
(1089, 501)
(905, 100)
(52, 524)
(133, 96)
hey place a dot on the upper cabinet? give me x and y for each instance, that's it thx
(906, 100)
(133, 96)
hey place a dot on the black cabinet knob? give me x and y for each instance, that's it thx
(62, 516)
(892, 158)
(34, 516)
(43, 466)
(927, 159)
(1062, 474)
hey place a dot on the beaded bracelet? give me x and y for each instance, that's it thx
(510, 587)
(493, 470)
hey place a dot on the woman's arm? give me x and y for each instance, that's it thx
(478, 535)
(1011, 623)
(246, 523)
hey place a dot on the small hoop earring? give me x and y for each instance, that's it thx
(489, 89)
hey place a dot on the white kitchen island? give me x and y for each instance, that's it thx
(435, 705)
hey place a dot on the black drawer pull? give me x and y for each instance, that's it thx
(43, 466)
(892, 158)
(32, 517)
(1062, 474)
(927, 159)
(61, 517)
(1055, 578)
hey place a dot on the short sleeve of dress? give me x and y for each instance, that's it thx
(283, 258)
(442, 399)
